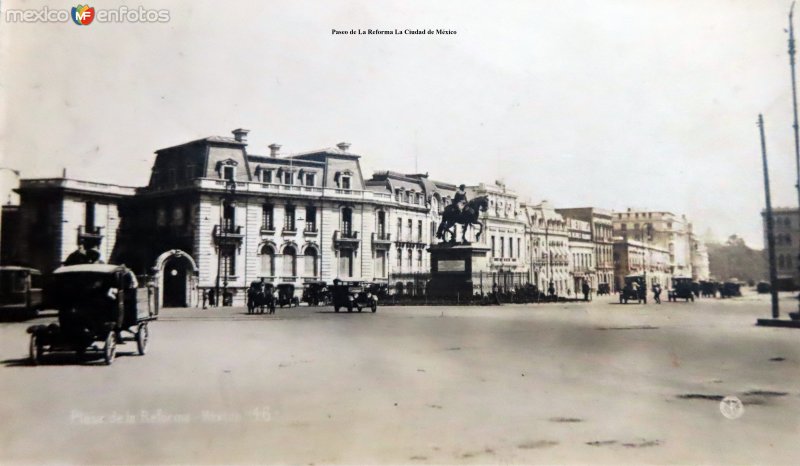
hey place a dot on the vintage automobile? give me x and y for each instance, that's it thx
(603, 288)
(260, 297)
(96, 303)
(286, 295)
(635, 289)
(352, 295)
(316, 293)
(763, 287)
(682, 288)
(730, 289)
(20, 291)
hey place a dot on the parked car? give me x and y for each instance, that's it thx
(20, 291)
(730, 289)
(635, 289)
(286, 295)
(260, 297)
(763, 287)
(316, 293)
(682, 288)
(603, 288)
(96, 303)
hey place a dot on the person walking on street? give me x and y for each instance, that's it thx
(657, 293)
(585, 289)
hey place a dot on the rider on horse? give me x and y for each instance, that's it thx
(460, 198)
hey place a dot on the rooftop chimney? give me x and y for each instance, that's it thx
(240, 134)
(274, 149)
(343, 146)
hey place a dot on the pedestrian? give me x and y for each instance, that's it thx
(585, 288)
(212, 298)
(657, 293)
(205, 297)
(551, 291)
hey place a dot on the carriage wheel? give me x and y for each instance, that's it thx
(142, 338)
(335, 308)
(620, 298)
(374, 307)
(272, 308)
(110, 348)
(359, 308)
(350, 308)
(35, 350)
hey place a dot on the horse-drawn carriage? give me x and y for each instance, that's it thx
(603, 288)
(260, 297)
(96, 303)
(730, 289)
(286, 295)
(316, 293)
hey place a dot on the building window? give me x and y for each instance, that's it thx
(171, 178)
(229, 262)
(346, 263)
(519, 246)
(288, 178)
(310, 179)
(189, 173)
(399, 259)
(288, 219)
(266, 176)
(510, 247)
(502, 247)
(494, 253)
(380, 263)
(419, 231)
(410, 259)
(228, 172)
(410, 229)
(381, 227)
(88, 216)
(267, 261)
(347, 222)
(397, 195)
(289, 262)
(228, 216)
(419, 260)
(310, 262)
(311, 218)
(267, 218)
(399, 228)
(346, 182)
(407, 198)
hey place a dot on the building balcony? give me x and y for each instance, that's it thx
(411, 240)
(289, 231)
(381, 240)
(227, 235)
(346, 239)
(267, 230)
(310, 230)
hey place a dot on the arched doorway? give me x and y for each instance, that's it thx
(176, 277)
(175, 272)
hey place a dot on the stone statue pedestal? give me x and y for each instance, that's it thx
(455, 270)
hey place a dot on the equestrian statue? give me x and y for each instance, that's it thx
(462, 212)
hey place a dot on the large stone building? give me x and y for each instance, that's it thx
(602, 235)
(504, 228)
(56, 216)
(787, 245)
(663, 230)
(633, 257)
(548, 253)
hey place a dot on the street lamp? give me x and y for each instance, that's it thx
(16, 173)
(227, 200)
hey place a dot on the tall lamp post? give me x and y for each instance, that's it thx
(228, 200)
(792, 51)
(17, 174)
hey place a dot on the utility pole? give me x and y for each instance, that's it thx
(773, 274)
(794, 110)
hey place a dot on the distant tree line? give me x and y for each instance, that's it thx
(734, 259)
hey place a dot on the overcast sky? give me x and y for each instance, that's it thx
(648, 104)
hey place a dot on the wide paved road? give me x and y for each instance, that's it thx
(558, 383)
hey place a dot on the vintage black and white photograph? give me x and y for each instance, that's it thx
(355, 232)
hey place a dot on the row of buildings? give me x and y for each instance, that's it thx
(214, 215)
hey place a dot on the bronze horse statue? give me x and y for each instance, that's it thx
(467, 218)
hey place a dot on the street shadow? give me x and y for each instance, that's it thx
(65, 358)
